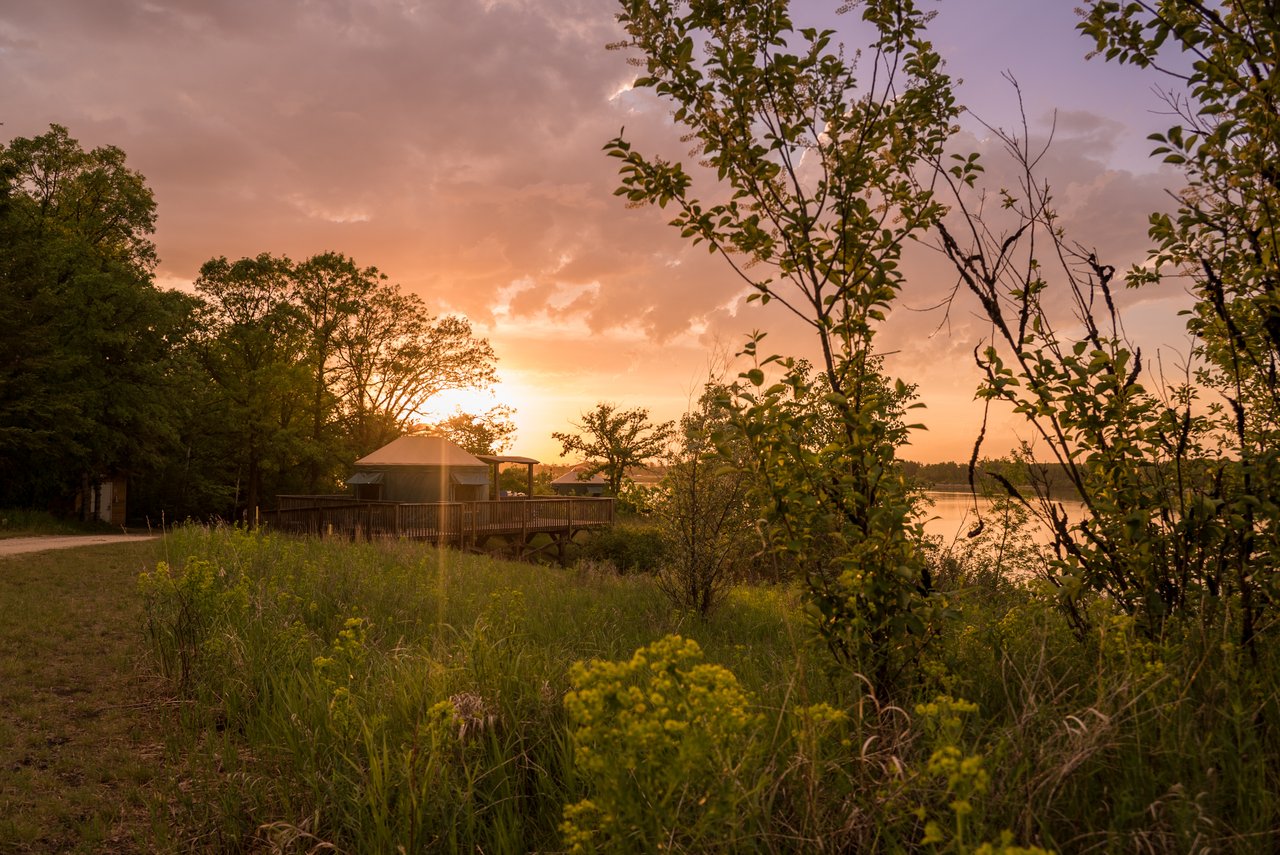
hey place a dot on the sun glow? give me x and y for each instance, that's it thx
(475, 402)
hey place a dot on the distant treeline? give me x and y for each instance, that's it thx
(987, 474)
(1043, 479)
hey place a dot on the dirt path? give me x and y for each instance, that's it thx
(21, 545)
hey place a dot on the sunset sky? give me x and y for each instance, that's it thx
(456, 145)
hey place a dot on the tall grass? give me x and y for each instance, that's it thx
(373, 698)
(20, 522)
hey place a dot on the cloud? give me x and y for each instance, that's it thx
(457, 146)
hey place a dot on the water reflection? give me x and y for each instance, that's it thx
(953, 515)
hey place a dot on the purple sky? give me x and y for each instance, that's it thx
(456, 145)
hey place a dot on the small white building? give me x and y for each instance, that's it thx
(104, 500)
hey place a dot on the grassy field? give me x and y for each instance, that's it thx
(82, 715)
(369, 698)
(319, 671)
(307, 696)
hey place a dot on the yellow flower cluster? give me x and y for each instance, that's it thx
(340, 670)
(185, 607)
(966, 778)
(943, 717)
(655, 738)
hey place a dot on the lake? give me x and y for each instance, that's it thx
(953, 514)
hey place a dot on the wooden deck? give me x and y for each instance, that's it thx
(462, 524)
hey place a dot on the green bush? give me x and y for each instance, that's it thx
(19, 522)
(626, 547)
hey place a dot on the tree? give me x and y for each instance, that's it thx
(1224, 238)
(86, 340)
(1133, 455)
(614, 440)
(490, 432)
(253, 344)
(329, 291)
(703, 511)
(816, 194)
(392, 357)
(320, 362)
(1182, 502)
(1225, 233)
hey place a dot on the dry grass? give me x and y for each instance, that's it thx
(82, 719)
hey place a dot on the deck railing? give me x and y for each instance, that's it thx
(329, 500)
(438, 522)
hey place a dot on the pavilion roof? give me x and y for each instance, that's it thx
(420, 451)
(505, 458)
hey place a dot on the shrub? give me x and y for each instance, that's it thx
(703, 514)
(663, 743)
(182, 608)
(628, 548)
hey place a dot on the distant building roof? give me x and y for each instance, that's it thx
(420, 451)
(505, 458)
(574, 476)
